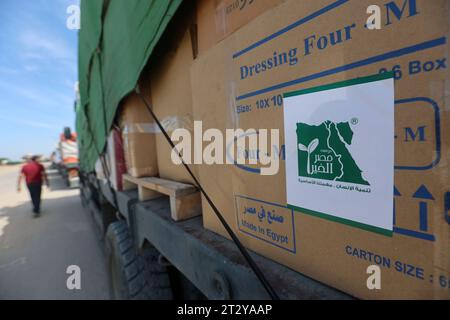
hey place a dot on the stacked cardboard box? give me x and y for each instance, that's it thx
(116, 158)
(138, 133)
(113, 161)
(304, 44)
(193, 31)
(218, 19)
(172, 102)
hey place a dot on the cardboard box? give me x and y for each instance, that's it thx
(139, 141)
(116, 158)
(217, 19)
(172, 95)
(114, 161)
(413, 42)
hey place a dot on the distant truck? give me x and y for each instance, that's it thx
(68, 153)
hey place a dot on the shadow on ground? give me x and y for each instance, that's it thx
(35, 252)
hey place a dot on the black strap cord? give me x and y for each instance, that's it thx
(233, 236)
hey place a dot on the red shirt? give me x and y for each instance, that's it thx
(33, 172)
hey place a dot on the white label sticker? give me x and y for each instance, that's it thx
(340, 152)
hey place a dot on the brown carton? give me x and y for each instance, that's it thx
(217, 19)
(172, 96)
(318, 43)
(138, 133)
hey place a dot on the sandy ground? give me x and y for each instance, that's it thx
(35, 252)
(7, 169)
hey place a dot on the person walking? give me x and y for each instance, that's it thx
(34, 174)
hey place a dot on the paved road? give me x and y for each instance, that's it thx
(35, 252)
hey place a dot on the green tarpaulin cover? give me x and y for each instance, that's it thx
(116, 40)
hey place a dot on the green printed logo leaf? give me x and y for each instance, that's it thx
(334, 162)
(301, 147)
(313, 145)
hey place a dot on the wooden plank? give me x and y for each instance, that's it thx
(131, 179)
(185, 199)
(127, 184)
(146, 194)
(170, 188)
(185, 207)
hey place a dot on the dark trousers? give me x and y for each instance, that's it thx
(35, 194)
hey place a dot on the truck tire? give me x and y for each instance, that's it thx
(157, 275)
(134, 276)
(106, 216)
(126, 268)
(83, 199)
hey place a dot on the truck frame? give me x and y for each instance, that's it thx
(150, 256)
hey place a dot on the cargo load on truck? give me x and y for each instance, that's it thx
(338, 155)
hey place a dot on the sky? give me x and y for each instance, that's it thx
(38, 72)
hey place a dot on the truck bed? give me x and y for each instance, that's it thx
(211, 262)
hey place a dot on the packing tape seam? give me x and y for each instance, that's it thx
(169, 124)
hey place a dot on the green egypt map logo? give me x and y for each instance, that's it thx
(323, 153)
